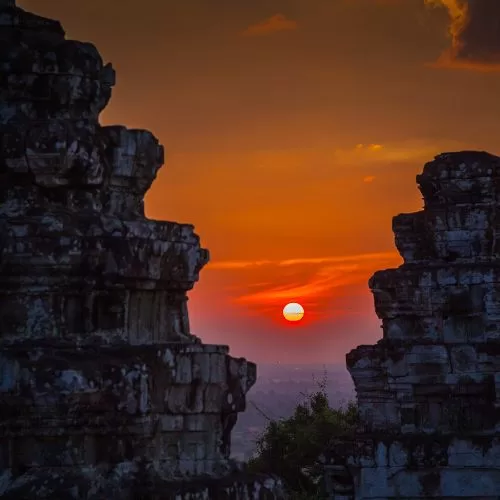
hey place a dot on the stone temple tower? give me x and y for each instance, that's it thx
(104, 391)
(429, 390)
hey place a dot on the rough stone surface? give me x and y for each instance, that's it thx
(104, 391)
(429, 390)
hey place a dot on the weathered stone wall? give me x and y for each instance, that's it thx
(429, 390)
(169, 404)
(104, 391)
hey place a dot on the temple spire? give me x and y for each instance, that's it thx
(94, 325)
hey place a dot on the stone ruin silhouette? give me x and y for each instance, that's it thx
(429, 390)
(104, 391)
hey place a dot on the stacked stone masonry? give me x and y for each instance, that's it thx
(104, 391)
(429, 390)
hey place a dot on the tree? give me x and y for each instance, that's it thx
(290, 448)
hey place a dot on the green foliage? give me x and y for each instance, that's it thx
(290, 448)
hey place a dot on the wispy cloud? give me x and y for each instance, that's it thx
(238, 264)
(369, 178)
(340, 259)
(355, 154)
(273, 24)
(370, 147)
(376, 154)
(243, 264)
(324, 280)
(309, 280)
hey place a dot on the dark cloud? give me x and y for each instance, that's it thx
(475, 33)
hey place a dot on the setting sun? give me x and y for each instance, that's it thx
(313, 148)
(293, 312)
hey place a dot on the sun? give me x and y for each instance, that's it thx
(293, 312)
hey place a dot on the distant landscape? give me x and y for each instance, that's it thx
(278, 390)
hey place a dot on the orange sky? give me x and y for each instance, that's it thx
(293, 132)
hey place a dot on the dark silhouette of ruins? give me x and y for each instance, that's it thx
(104, 391)
(429, 390)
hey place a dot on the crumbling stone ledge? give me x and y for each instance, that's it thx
(170, 404)
(129, 481)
